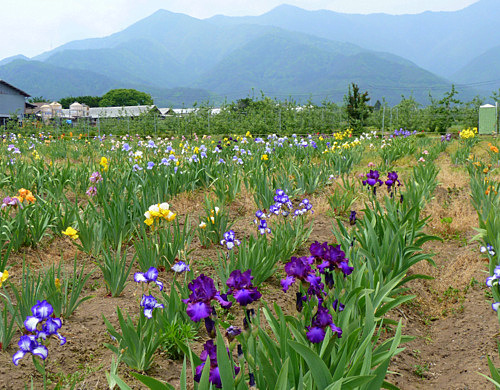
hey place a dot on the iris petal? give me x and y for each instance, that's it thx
(18, 356)
(31, 323)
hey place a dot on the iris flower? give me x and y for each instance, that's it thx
(70, 232)
(321, 320)
(372, 178)
(229, 240)
(151, 275)
(29, 344)
(3, 277)
(180, 267)
(241, 287)
(149, 303)
(199, 303)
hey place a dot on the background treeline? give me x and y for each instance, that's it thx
(263, 115)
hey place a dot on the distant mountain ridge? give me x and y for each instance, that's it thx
(226, 58)
(482, 71)
(441, 42)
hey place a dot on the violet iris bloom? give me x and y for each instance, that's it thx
(297, 268)
(180, 267)
(151, 275)
(51, 327)
(321, 320)
(333, 259)
(210, 351)
(41, 311)
(29, 343)
(203, 291)
(8, 201)
(262, 227)
(229, 240)
(372, 178)
(232, 332)
(149, 303)
(392, 179)
(352, 218)
(241, 287)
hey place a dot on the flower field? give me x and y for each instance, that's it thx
(333, 261)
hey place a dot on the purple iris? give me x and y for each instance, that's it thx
(42, 315)
(8, 201)
(241, 287)
(92, 191)
(151, 275)
(29, 343)
(232, 332)
(333, 258)
(337, 306)
(41, 311)
(180, 267)
(262, 227)
(51, 327)
(352, 218)
(210, 351)
(372, 178)
(149, 303)
(392, 179)
(297, 268)
(95, 177)
(229, 240)
(321, 320)
(203, 291)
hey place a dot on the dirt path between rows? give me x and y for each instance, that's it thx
(451, 318)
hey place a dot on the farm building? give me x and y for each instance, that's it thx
(12, 101)
(488, 119)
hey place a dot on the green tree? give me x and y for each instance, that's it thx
(125, 97)
(37, 99)
(495, 95)
(441, 114)
(470, 112)
(409, 116)
(357, 108)
(91, 101)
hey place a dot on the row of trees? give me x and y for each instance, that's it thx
(439, 116)
(113, 98)
(264, 115)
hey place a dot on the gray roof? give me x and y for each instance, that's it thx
(117, 112)
(165, 111)
(20, 91)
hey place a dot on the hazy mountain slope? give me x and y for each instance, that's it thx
(53, 82)
(40, 79)
(194, 43)
(138, 61)
(301, 66)
(5, 61)
(482, 71)
(442, 42)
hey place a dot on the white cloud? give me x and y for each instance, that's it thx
(30, 27)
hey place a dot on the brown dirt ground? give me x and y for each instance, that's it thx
(451, 319)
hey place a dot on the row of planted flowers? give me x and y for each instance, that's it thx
(340, 303)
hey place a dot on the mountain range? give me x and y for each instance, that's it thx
(287, 53)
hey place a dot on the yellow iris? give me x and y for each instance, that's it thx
(104, 163)
(3, 276)
(70, 232)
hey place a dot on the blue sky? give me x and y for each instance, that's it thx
(31, 27)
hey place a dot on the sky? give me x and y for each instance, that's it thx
(31, 27)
